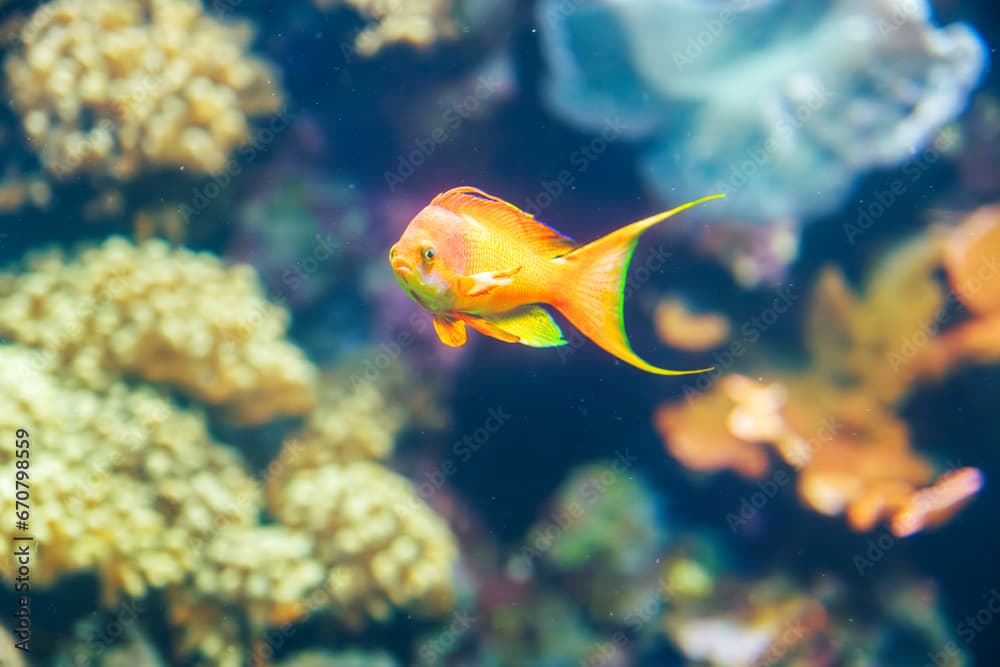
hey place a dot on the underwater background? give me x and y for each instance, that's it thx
(227, 437)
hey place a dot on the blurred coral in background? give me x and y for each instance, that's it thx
(834, 421)
(783, 123)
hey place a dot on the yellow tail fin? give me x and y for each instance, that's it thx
(593, 294)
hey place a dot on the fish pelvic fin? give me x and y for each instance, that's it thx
(592, 294)
(450, 331)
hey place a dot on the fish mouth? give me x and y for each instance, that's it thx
(402, 267)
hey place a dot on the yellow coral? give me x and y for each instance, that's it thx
(163, 315)
(133, 488)
(117, 86)
(354, 421)
(124, 484)
(417, 22)
(380, 545)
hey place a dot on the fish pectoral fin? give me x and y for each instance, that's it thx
(478, 284)
(450, 331)
(528, 325)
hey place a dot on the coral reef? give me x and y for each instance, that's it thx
(780, 95)
(163, 315)
(972, 263)
(380, 545)
(342, 659)
(302, 231)
(834, 421)
(580, 589)
(602, 531)
(775, 620)
(417, 22)
(117, 87)
(10, 656)
(124, 483)
(680, 327)
(133, 488)
(92, 645)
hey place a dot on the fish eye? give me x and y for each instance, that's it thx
(428, 254)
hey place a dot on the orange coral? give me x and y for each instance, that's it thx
(679, 327)
(972, 263)
(835, 420)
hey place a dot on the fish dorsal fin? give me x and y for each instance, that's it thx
(504, 216)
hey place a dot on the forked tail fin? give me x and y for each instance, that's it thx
(593, 293)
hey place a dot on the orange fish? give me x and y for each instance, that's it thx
(473, 259)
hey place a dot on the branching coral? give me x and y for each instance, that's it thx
(162, 315)
(115, 87)
(835, 420)
(416, 22)
(972, 262)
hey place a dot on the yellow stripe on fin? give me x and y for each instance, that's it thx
(528, 325)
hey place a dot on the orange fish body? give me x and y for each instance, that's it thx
(474, 260)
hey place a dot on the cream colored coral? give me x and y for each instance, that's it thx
(380, 545)
(115, 87)
(352, 422)
(19, 190)
(416, 22)
(123, 484)
(268, 570)
(164, 315)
